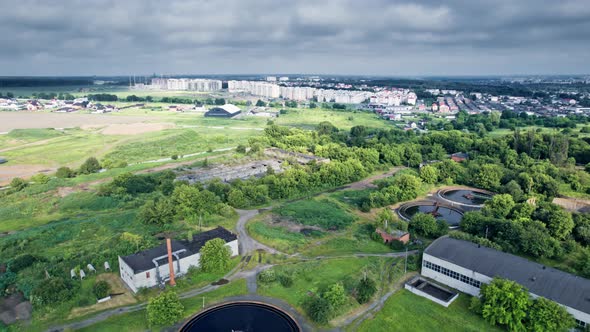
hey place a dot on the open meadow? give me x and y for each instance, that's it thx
(41, 142)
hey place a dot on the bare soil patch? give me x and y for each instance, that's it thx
(14, 308)
(26, 120)
(7, 173)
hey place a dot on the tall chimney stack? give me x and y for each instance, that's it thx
(170, 263)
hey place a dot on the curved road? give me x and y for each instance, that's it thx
(246, 243)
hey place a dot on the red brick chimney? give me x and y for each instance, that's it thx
(170, 262)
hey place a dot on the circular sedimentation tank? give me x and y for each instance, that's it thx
(469, 198)
(449, 214)
(244, 317)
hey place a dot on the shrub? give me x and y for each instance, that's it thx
(318, 309)
(215, 256)
(91, 165)
(52, 291)
(40, 178)
(164, 309)
(21, 262)
(101, 289)
(365, 290)
(285, 280)
(18, 184)
(65, 172)
(397, 245)
(174, 157)
(267, 276)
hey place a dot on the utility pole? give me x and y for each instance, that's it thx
(486, 232)
(406, 263)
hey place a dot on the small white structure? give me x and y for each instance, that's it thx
(91, 268)
(465, 266)
(107, 267)
(82, 274)
(150, 267)
(73, 273)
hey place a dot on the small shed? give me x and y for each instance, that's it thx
(82, 274)
(107, 267)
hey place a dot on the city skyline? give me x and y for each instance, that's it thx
(375, 37)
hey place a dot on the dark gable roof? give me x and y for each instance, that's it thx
(142, 261)
(200, 239)
(556, 285)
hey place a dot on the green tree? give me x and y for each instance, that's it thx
(215, 256)
(91, 165)
(101, 289)
(488, 176)
(260, 103)
(429, 174)
(423, 224)
(158, 212)
(336, 295)
(164, 309)
(546, 315)
(505, 302)
(559, 222)
(365, 290)
(499, 206)
(64, 173)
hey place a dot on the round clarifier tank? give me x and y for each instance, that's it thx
(469, 198)
(243, 317)
(448, 214)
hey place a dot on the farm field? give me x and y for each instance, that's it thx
(405, 311)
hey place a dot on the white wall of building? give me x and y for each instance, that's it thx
(466, 288)
(454, 283)
(148, 278)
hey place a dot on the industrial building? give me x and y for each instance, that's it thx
(151, 267)
(465, 266)
(225, 111)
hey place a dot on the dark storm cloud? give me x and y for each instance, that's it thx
(329, 36)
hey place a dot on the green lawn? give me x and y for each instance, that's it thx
(405, 311)
(137, 321)
(313, 276)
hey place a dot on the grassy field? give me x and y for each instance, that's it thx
(321, 212)
(312, 277)
(405, 311)
(137, 321)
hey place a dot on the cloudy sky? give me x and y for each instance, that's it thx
(373, 37)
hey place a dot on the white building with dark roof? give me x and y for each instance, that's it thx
(465, 266)
(150, 267)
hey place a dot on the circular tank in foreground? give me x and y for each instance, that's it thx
(242, 316)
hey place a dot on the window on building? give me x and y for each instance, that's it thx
(580, 323)
(147, 274)
(452, 274)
